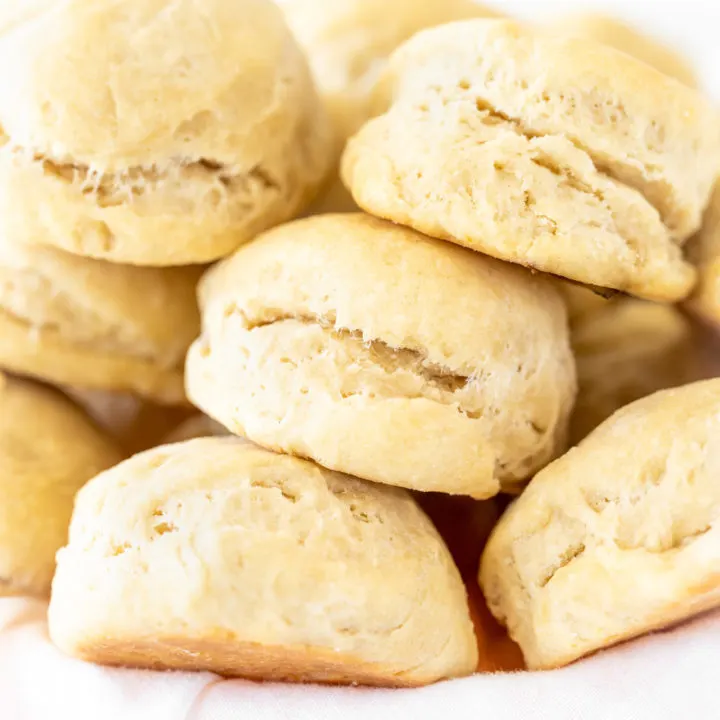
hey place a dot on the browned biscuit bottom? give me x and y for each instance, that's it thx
(241, 659)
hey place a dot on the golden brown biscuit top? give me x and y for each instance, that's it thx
(450, 308)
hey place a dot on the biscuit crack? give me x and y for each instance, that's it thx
(686, 539)
(271, 483)
(602, 168)
(570, 554)
(163, 528)
(674, 542)
(110, 189)
(641, 517)
(565, 174)
(364, 516)
(380, 353)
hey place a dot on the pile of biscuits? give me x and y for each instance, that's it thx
(426, 272)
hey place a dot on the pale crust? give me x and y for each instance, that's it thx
(635, 505)
(578, 171)
(641, 127)
(214, 554)
(614, 32)
(87, 323)
(155, 133)
(344, 326)
(48, 449)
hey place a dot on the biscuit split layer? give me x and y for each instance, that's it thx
(618, 537)
(214, 554)
(579, 171)
(343, 338)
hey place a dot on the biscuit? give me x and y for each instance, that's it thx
(618, 537)
(214, 554)
(197, 426)
(704, 251)
(134, 423)
(48, 450)
(343, 338)
(617, 34)
(348, 43)
(625, 350)
(153, 132)
(574, 158)
(92, 324)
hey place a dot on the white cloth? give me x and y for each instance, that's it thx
(665, 675)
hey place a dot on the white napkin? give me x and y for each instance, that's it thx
(665, 675)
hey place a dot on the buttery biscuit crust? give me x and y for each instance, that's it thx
(344, 326)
